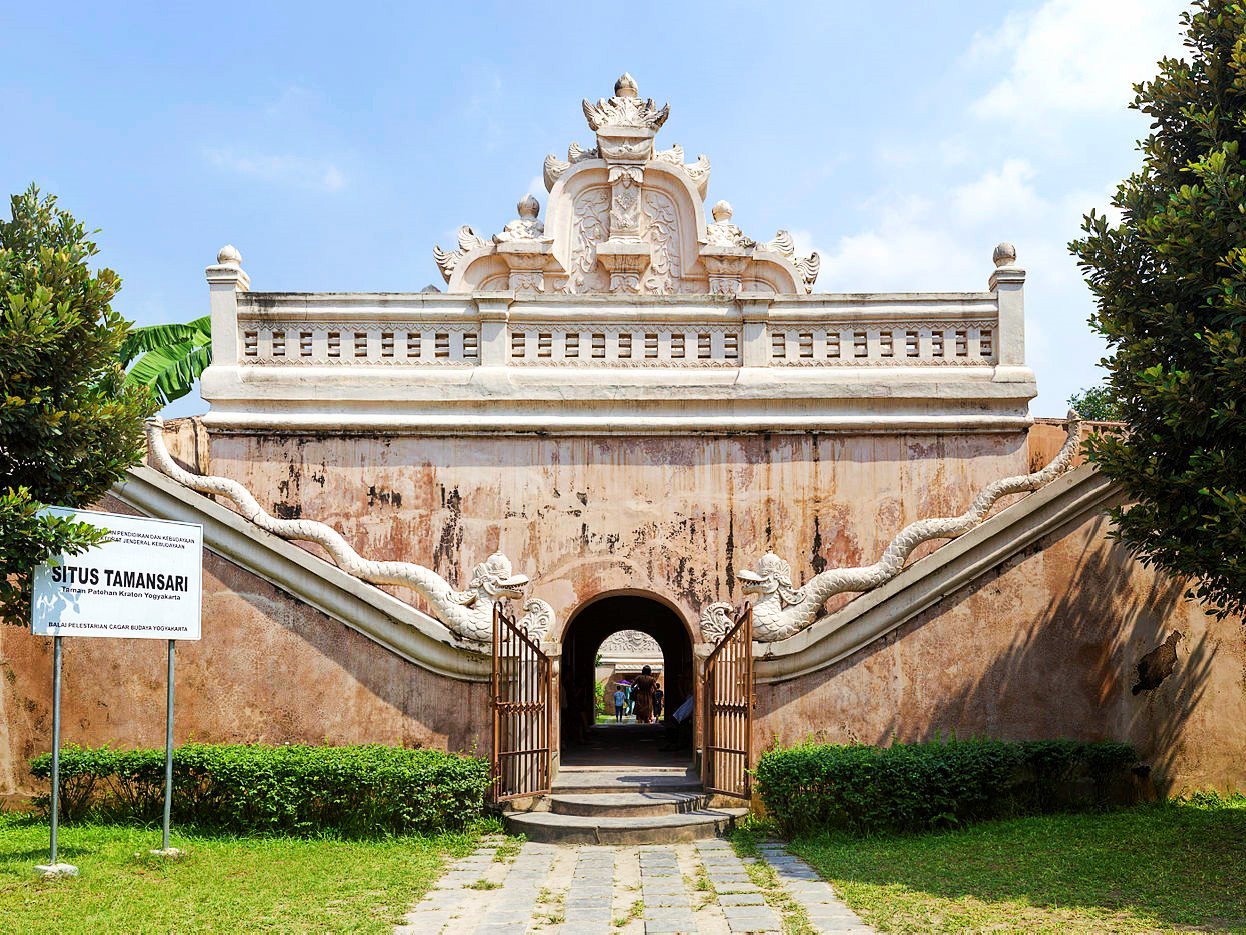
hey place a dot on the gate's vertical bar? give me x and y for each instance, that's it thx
(748, 700)
(728, 763)
(493, 704)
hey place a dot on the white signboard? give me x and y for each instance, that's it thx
(144, 580)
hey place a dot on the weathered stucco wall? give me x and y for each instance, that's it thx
(1046, 645)
(671, 516)
(269, 668)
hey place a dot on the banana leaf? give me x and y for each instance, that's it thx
(170, 370)
(149, 338)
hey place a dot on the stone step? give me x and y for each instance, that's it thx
(626, 780)
(551, 828)
(626, 804)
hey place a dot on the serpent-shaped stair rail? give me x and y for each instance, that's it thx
(467, 614)
(782, 609)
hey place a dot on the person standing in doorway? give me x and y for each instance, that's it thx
(642, 694)
(619, 698)
(658, 697)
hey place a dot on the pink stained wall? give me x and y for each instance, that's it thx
(268, 669)
(1044, 646)
(670, 516)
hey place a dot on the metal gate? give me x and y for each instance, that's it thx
(729, 710)
(521, 711)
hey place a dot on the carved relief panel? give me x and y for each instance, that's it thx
(589, 227)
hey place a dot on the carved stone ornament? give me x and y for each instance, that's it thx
(526, 226)
(624, 191)
(631, 643)
(468, 614)
(781, 609)
(626, 109)
(716, 620)
(722, 233)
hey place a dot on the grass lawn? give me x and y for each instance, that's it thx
(223, 884)
(1147, 868)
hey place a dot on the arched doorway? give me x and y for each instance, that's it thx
(583, 740)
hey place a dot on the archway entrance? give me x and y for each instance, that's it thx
(591, 736)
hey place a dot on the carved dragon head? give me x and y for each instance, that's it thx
(495, 579)
(773, 576)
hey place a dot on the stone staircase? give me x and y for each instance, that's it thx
(631, 805)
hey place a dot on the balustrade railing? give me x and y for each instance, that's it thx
(956, 335)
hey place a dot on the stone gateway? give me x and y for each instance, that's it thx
(632, 415)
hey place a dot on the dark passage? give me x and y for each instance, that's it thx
(587, 743)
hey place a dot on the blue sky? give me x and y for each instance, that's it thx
(334, 145)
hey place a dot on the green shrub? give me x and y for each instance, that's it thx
(298, 789)
(918, 786)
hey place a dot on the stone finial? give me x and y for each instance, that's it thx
(528, 207)
(228, 270)
(1005, 254)
(625, 110)
(722, 211)
(524, 227)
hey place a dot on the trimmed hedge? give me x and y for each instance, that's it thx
(919, 786)
(295, 789)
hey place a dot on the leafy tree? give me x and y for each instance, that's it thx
(174, 356)
(1097, 403)
(1169, 282)
(69, 426)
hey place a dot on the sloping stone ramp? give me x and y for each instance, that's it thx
(698, 887)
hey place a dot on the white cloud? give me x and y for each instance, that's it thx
(1003, 192)
(536, 188)
(298, 171)
(1074, 55)
(909, 247)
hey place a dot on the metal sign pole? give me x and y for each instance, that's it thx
(53, 868)
(56, 743)
(165, 850)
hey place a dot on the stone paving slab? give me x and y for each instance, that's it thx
(698, 888)
(813, 894)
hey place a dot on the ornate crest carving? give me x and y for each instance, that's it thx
(631, 643)
(651, 197)
(626, 109)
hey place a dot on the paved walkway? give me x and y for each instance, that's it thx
(701, 888)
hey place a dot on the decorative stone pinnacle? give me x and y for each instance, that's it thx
(625, 110)
(528, 207)
(722, 211)
(1005, 254)
(228, 255)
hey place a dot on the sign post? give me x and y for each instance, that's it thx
(144, 581)
(53, 868)
(165, 850)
